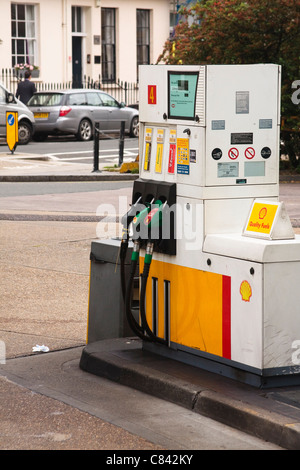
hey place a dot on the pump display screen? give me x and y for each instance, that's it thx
(182, 88)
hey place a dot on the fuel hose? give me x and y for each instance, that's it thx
(144, 279)
(135, 326)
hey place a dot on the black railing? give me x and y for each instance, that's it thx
(122, 91)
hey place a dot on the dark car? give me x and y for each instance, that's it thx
(76, 111)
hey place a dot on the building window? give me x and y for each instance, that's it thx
(76, 20)
(23, 34)
(143, 37)
(108, 31)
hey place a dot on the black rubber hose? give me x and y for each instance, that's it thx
(144, 278)
(136, 328)
(123, 253)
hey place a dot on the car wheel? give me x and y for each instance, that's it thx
(25, 132)
(134, 127)
(85, 130)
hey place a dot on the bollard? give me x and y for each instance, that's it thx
(121, 142)
(96, 146)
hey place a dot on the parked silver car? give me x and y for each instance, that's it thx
(8, 102)
(76, 111)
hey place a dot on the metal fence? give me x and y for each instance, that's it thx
(122, 91)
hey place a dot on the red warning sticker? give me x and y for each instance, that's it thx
(233, 153)
(249, 153)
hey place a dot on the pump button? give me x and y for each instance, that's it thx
(266, 152)
(216, 154)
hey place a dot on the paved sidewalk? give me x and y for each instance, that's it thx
(31, 167)
(61, 277)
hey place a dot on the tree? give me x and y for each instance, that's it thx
(240, 32)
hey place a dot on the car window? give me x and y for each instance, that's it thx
(93, 99)
(45, 99)
(76, 99)
(2, 95)
(108, 100)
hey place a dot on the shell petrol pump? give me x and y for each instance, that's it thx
(218, 258)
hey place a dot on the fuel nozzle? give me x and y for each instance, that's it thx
(154, 217)
(140, 232)
(126, 222)
(129, 216)
(154, 222)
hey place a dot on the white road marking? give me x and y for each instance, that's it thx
(127, 153)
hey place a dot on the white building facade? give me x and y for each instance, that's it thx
(66, 40)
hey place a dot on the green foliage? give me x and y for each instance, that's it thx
(245, 32)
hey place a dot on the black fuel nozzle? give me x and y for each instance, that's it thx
(139, 228)
(129, 216)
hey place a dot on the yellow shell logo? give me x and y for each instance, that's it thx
(245, 291)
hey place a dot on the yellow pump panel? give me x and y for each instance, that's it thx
(199, 310)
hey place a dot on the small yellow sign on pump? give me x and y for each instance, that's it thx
(12, 130)
(269, 220)
(262, 217)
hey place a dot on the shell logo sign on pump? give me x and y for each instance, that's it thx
(268, 220)
(245, 291)
(262, 217)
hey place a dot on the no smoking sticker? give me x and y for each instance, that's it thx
(249, 153)
(233, 153)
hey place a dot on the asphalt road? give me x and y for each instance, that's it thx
(38, 188)
(71, 150)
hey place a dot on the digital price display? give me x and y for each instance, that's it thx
(182, 90)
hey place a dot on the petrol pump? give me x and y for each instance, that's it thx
(219, 261)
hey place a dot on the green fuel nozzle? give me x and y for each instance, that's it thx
(147, 225)
(138, 222)
(154, 217)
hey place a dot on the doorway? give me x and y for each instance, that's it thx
(77, 61)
